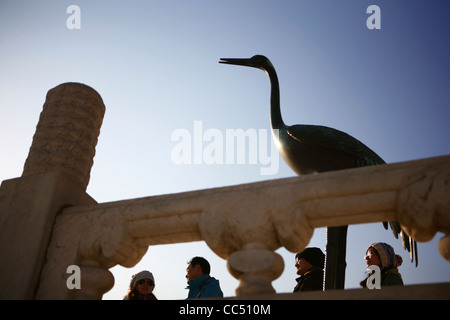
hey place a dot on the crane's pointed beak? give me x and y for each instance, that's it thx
(239, 62)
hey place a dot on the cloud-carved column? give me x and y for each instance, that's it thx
(55, 175)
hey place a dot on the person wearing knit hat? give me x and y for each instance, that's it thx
(309, 264)
(141, 286)
(382, 255)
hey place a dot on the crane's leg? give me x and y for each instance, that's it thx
(335, 258)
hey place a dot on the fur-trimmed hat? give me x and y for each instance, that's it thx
(387, 255)
(139, 276)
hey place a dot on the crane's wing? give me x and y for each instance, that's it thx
(364, 156)
(335, 139)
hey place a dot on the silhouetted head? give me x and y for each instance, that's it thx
(258, 61)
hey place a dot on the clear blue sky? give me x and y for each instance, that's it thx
(155, 64)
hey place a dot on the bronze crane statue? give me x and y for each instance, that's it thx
(312, 148)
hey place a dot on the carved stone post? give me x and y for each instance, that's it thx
(256, 267)
(55, 176)
(247, 235)
(67, 133)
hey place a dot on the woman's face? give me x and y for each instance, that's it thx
(372, 258)
(145, 286)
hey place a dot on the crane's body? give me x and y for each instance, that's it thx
(323, 149)
(311, 148)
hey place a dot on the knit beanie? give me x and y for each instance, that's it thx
(387, 255)
(314, 256)
(139, 276)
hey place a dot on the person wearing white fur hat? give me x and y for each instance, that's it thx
(141, 287)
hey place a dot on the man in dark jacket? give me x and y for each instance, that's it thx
(309, 264)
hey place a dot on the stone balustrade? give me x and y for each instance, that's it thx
(244, 224)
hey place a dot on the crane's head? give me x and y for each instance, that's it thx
(258, 61)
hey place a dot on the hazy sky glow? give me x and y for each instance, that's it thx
(155, 64)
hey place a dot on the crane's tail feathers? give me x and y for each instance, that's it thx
(395, 227)
(416, 256)
(413, 253)
(408, 243)
(405, 241)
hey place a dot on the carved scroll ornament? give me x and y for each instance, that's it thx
(424, 205)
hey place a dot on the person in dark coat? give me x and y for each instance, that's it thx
(309, 264)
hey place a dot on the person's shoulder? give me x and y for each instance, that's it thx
(211, 281)
(391, 277)
(212, 288)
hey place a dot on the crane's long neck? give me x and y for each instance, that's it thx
(275, 112)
